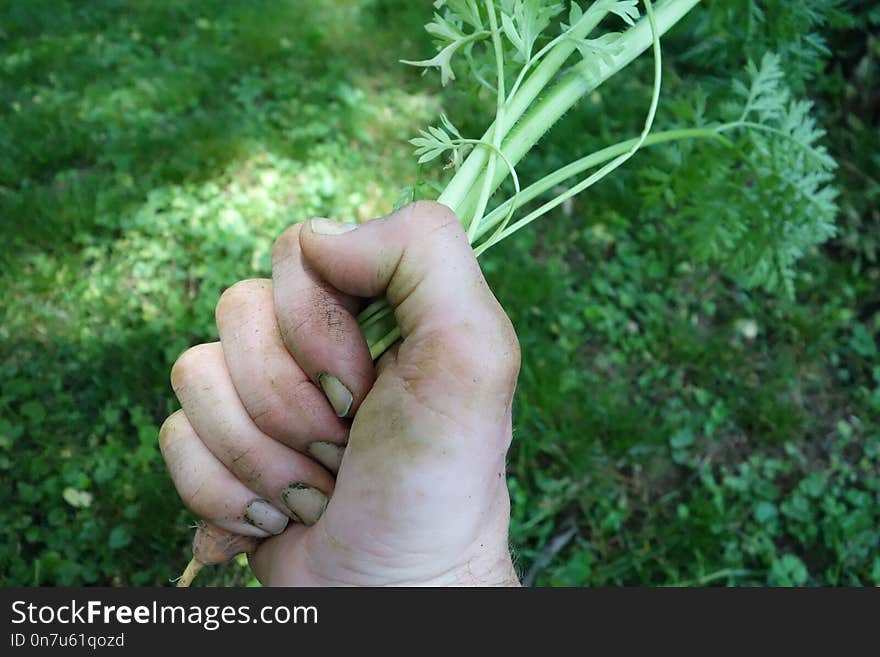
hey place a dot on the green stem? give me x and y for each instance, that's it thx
(610, 166)
(577, 31)
(595, 159)
(462, 193)
(498, 152)
(779, 133)
(485, 192)
(375, 307)
(376, 317)
(380, 346)
(471, 169)
(580, 80)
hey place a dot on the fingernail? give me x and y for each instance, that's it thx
(328, 227)
(327, 454)
(338, 395)
(265, 516)
(305, 502)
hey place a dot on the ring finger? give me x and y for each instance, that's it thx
(211, 491)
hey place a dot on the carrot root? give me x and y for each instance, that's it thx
(211, 546)
(192, 569)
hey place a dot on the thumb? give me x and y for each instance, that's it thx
(420, 259)
(423, 474)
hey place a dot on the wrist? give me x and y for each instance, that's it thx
(482, 571)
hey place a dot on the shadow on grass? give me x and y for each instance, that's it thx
(90, 484)
(103, 101)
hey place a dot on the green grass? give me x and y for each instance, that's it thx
(670, 427)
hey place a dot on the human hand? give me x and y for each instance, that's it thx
(420, 496)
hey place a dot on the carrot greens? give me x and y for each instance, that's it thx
(769, 193)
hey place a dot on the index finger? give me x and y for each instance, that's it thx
(319, 327)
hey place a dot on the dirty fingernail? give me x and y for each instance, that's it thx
(305, 502)
(338, 395)
(328, 227)
(265, 516)
(327, 454)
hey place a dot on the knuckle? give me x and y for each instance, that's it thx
(500, 370)
(508, 347)
(484, 354)
(241, 294)
(430, 213)
(507, 360)
(286, 243)
(191, 362)
(171, 428)
(499, 344)
(499, 353)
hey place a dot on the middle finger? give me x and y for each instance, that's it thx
(279, 396)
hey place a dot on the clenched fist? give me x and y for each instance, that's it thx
(355, 474)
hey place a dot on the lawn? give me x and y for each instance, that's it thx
(672, 426)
